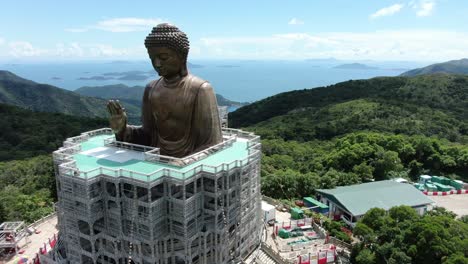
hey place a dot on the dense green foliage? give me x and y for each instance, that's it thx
(24, 133)
(27, 189)
(401, 236)
(292, 169)
(455, 66)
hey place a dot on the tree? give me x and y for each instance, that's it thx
(385, 162)
(365, 257)
(402, 213)
(364, 171)
(364, 233)
(375, 218)
(441, 211)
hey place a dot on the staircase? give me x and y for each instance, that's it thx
(263, 258)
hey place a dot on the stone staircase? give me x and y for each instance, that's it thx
(263, 258)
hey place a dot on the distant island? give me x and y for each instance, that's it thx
(125, 73)
(355, 66)
(125, 76)
(134, 77)
(133, 95)
(95, 78)
(56, 78)
(450, 67)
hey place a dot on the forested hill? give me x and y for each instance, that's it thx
(450, 67)
(27, 94)
(133, 94)
(24, 133)
(428, 104)
(358, 131)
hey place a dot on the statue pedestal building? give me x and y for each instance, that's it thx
(125, 203)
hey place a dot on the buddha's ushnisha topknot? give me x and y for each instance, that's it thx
(170, 36)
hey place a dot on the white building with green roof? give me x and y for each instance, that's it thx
(125, 203)
(350, 203)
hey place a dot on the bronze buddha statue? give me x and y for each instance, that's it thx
(179, 111)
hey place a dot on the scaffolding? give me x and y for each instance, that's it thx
(11, 235)
(188, 211)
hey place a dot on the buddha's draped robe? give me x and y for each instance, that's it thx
(180, 118)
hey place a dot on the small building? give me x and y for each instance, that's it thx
(269, 212)
(350, 203)
(296, 213)
(315, 205)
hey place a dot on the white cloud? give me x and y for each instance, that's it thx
(69, 50)
(103, 50)
(295, 21)
(24, 49)
(423, 7)
(2, 41)
(379, 45)
(127, 24)
(123, 24)
(387, 11)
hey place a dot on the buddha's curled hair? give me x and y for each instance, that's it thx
(170, 36)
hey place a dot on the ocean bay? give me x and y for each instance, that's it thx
(244, 81)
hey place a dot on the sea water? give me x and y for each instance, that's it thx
(244, 81)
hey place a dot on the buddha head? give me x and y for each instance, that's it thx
(168, 49)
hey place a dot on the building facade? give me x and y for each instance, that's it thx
(125, 203)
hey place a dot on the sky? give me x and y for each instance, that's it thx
(390, 30)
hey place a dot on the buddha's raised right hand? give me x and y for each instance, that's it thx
(118, 117)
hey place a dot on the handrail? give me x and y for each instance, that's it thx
(68, 165)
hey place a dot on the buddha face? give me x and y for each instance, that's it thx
(167, 62)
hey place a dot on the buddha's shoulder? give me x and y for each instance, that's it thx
(197, 82)
(152, 84)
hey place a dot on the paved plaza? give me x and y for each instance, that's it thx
(457, 203)
(32, 243)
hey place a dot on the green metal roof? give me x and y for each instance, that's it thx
(315, 202)
(297, 210)
(359, 198)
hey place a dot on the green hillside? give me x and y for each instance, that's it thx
(362, 130)
(25, 133)
(447, 93)
(27, 189)
(450, 67)
(132, 95)
(27, 94)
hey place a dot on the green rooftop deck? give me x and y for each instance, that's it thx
(95, 158)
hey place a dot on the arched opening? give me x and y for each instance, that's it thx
(86, 245)
(128, 190)
(98, 226)
(157, 192)
(142, 194)
(95, 190)
(111, 189)
(84, 227)
(112, 207)
(86, 260)
(103, 259)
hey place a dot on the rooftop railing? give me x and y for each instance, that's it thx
(69, 168)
